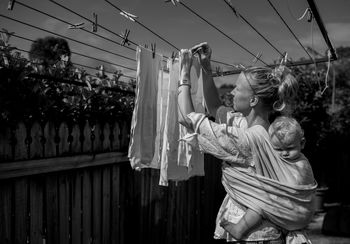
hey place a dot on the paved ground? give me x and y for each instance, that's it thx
(316, 236)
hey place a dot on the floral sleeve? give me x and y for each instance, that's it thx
(228, 143)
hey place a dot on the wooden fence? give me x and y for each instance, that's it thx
(64, 183)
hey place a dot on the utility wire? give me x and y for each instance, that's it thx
(79, 54)
(68, 23)
(65, 37)
(296, 38)
(247, 22)
(160, 37)
(223, 33)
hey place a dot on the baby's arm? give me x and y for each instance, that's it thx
(249, 220)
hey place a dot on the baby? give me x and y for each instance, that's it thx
(287, 137)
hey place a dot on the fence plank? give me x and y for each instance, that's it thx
(20, 149)
(106, 205)
(87, 238)
(21, 214)
(63, 134)
(96, 205)
(5, 144)
(50, 146)
(52, 215)
(5, 212)
(115, 208)
(64, 194)
(36, 210)
(36, 146)
(77, 208)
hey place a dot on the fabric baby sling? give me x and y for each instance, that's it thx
(289, 206)
(265, 191)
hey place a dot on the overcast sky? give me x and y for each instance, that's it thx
(183, 29)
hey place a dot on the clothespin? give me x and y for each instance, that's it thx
(10, 4)
(284, 58)
(257, 57)
(101, 71)
(173, 56)
(5, 36)
(174, 2)
(117, 74)
(232, 8)
(128, 15)
(125, 36)
(94, 23)
(219, 71)
(153, 48)
(76, 26)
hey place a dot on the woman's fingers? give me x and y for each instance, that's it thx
(203, 50)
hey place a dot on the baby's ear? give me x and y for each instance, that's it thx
(302, 142)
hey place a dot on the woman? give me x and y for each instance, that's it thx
(253, 175)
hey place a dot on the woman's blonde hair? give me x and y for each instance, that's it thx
(276, 88)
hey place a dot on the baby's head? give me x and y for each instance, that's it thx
(287, 137)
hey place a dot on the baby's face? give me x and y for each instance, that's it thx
(288, 149)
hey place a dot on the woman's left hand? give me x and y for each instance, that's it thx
(185, 64)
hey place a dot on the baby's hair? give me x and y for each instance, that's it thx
(275, 87)
(286, 128)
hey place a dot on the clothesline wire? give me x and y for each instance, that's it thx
(162, 38)
(248, 23)
(290, 30)
(65, 37)
(77, 53)
(222, 32)
(68, 23)
(83, 65)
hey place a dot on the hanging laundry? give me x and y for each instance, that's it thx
(143, 132)
(155, 130)
(178, 160)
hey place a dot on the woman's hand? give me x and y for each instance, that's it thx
(185, 64)
(204, 52)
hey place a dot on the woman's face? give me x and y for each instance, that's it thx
(242, 95)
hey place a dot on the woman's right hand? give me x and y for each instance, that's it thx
(204, 52)
(185, 64)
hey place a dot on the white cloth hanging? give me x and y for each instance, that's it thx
(179, 161)
(155, 130)
(143, 134)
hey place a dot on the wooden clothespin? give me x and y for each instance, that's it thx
(232, 8)
(146, 46)
(218, 71)
(174, 2)
(94, 23)
(125, 36)
(76, 26)
(257, 57)
(153, 48)
(310, 15)
(128, 15)
(117, 74)
(173, 56)
(10, 4)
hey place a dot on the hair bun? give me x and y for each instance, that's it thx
(280, 72)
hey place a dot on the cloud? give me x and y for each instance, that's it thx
(339, 34)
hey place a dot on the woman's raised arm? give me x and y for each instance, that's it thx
(210, 91)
